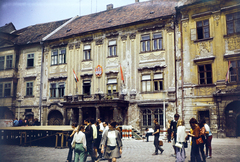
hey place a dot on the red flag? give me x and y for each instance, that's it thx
(75, 76)
(122, 78)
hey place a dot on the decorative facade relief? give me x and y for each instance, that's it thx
(152, 57)
(112, 62)
(99, 41)
(70, 46)
(233, 43)
(86, 65)
(77, 45)
(204, 49)
(216, 17)
(124, 37)
(185, 24)
(132, 36)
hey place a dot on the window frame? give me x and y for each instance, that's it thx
(7, 88)
(56, 57)
(61, 89)
(57, 90)
(146, 121)
(159, 81)
(9, 61)
(84, 87)
(233, 21)
(1, 89)
(144, 43)
(2, 62)
(158, 116)
(112, 48)
(158, 43)
(202, 28)
(62, 56)
(29, 87)
(235, 68)
(205, 71)
(111, 85)
(87, 52)
(31, 58)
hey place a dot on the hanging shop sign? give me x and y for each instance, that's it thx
(98, 71)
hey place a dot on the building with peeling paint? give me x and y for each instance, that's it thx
(208, 63)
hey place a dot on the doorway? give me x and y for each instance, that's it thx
(89, 113)
(106, 113)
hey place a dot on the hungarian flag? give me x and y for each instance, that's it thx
(122, 78)
(75, 76)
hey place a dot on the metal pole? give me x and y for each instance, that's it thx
(164, 116)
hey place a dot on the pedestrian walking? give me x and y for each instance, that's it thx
(173, 128)
(89, 139)
(156, 134)
(181, 138)
(195, 135)
(70, 139)
(80, 148)
(169, 131)
(105, 125)
(95, 135)
(100, 132)
(201, 145)
(112, 140)
(208, 140)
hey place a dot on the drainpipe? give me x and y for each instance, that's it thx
(176, 99)
(41, 85)
(182, 74)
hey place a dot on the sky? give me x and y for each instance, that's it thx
(23, 13)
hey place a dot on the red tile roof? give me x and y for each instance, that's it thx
(132, 13)
(35, 33)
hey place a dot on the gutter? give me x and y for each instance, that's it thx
(41, 85)
(182, 73)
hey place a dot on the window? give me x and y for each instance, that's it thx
(157, 41)
(29, 89)
(9, 61)
(2, 59)
(203, 29)
(30, 60)
(233, 23)
(61, 89)
(1, 90)
(235, 71)
(146, 83)
(87, 52)
(62, 56)
(158, 114)
(205, 74)
(112, 48)
(55, 57)
(158, 81)
(58, 56)
(86, 87)
(7, 89)
(112, 85)
(147, 117)
(145, 43)
(53, 90)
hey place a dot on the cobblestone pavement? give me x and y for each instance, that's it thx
(224, 150)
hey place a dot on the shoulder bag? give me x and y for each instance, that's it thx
(199, 141)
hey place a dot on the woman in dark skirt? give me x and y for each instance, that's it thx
(112, 142)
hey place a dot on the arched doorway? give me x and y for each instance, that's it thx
(55, 118)
(232, 116)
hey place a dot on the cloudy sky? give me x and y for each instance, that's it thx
(23, 13)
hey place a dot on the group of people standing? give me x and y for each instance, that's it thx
(26, 122)
(97, 139)
(200, 133)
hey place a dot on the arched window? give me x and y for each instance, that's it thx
(158, 114)
(147, 117)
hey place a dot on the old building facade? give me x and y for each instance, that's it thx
(130, 64)
(208, 63)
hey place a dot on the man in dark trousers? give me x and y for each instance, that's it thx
(89, 140)
(156, 137)
(173, 128)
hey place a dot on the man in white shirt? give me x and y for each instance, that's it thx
(101, 128)
(105, 125)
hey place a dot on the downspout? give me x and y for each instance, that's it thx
(182, 74)
(176, 99)
(41, 84)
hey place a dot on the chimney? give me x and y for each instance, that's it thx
(136, 1)
(109, 7)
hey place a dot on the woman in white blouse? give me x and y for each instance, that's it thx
(80, 144)
(181, 138)
(112, 140)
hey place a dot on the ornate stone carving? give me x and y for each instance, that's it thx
(112, 62)
(86, 65)
(216, 17)
(99, 41)
(132, 36)
(185, 24)
(70, 46)
(151, 57)
(124, 37)
(46, 49)
(204, 48)
(77, 45)
(233, 43)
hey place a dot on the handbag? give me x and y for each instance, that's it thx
(178, 145)
(199, 141)
(160, 143)
(73, 145)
